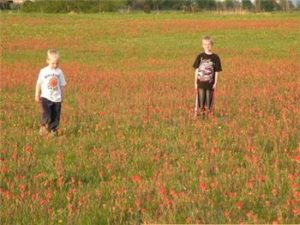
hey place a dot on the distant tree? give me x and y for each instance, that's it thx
(148, 5)
(136, 4)
(93, 6)
(144, 5)
(129, 4)
(207, 4)
(257, 5)
(297, 5)
(229, 4)
(189, 5)
(220, 6)
(107, 5)
(157, 4)
(172, 4)
(247, 5)
(268, 6)
(286, 5)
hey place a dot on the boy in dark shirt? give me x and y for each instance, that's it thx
(207, 66)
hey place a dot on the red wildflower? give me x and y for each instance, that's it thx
(136, 178)
(239, 205)
(203, 186)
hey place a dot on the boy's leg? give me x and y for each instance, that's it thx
(211, 106)
(46, 112)
(197, 102)
(202, 98)
(208, 99)
(55, 116)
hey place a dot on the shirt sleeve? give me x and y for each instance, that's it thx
(197, 62)
(62, 81)
(218, 66)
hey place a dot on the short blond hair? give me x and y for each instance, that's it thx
(208, 38)
(52, 54)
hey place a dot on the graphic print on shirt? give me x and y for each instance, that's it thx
(206, 70)
(53, 82)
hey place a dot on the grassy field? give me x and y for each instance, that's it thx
(129, 151)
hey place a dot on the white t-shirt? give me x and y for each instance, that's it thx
(51, 81)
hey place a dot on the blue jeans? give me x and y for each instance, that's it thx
(204, 99)
(51, 113)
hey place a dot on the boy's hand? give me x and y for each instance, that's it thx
(37, 98)
(214, 86)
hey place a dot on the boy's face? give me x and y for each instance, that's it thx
(207, 46)
(53, 62)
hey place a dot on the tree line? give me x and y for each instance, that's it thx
(95, 6)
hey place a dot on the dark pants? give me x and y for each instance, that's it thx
(204, 99)
(50, 114)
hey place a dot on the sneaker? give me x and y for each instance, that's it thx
(43, 131)
(209, 113)
(53, 133)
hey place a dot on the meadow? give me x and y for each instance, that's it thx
(128, 150)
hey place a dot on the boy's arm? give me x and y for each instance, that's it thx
(218, 69)
(216, 80)
(196, 78)
(62, 83)
(37, 92)
(62, 93)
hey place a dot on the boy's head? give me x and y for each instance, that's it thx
(207, 43)
(53, 58)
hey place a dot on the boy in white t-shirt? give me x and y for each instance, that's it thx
(49, 92)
